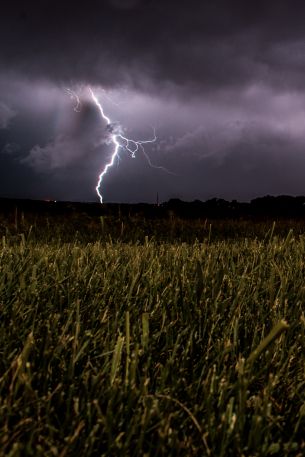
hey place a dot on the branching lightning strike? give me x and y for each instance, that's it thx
(120, 141)
(73, 95)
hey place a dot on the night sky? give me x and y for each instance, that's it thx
(222, 82)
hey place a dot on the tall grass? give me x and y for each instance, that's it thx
(152, 349)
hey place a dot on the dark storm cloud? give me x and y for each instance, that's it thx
(6, 115)
(207, 44)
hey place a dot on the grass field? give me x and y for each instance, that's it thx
(152, 348)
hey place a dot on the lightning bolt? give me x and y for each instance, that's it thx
(73, 95)
(120, 141)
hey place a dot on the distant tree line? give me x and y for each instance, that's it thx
(283, 206)
(268, 206)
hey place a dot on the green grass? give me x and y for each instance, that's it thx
(152, 349)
